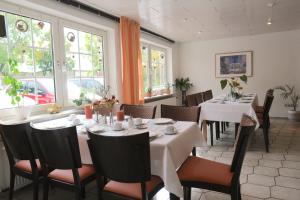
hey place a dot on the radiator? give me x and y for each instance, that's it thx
(5, 174)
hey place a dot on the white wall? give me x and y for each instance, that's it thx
(276, 61)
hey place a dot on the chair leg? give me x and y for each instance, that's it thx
(78, 193)
(236, 129)
(266, 137)
(217, 130)
(186, 193)
(46, 189)
(36, 189)
(194, 151)
(239, 193)
(211, 135)
(12, 185)
(83, 192)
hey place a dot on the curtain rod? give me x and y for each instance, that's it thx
(109, 16)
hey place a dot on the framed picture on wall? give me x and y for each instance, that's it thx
(234, 64)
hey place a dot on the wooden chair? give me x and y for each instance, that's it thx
(260, 109)
(191, 100)
(199, 98)
(139, 111)
(207, 95)
(181, 113)
(264, 119)
(206, 174)
(125, 161)
(20, 152)
(58, 150)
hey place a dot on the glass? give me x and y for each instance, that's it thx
(85, 43)
(86, 66)
(41, 34)
(43, 62)
(158, 68)
(72, 64)
(145, 67)
(71, 40)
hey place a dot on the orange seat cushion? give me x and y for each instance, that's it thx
(25, 165)
(259, 109)
(67, 175)
(132, 190)
(197, 169)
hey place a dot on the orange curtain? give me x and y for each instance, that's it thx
(132, 76)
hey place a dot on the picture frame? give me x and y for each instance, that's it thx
(234, 64)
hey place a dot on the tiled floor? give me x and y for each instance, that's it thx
(274, 175)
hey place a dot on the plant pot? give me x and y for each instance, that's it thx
(294, 115)
(148, 94)
(23, 112)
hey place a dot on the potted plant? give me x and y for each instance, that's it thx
(168, 88)
(148, 92)
(15, 90)
(82, 99)
(235, 85)
(183, 84)
(289, 92)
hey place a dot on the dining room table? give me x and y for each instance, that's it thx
(224, 108)
(168, 151)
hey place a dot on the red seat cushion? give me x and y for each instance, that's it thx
(25, 165)
(67, 175)
(132, 190)
(197, 169)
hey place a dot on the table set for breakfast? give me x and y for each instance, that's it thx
(170, 142)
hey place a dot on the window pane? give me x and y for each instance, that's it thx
(29, 43)
(71, 40)
(158, 68)
(85, 65)
(145, 66)
(41, 34)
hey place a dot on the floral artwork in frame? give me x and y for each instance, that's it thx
(234, 64)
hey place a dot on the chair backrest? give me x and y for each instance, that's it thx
(269, 92)
(121, 158)
(16, 139)
(191, 100)
(267, 106)
(207, 95)
(199, 98)
(247, 127)
(58, 148)
(139, 111)
(181, 113)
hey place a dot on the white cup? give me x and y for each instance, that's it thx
(117, 126)
(138, 121)
(170, 129)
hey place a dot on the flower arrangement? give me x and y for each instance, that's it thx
(235, 85)
(105, 103)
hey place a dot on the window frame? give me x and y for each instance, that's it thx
(151, 47)
(58, 53)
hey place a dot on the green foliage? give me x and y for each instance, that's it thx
(231, 83)
(82, 99)
(244, 78)
(149, 90)
(15, 86)
(183, 84)
(288, 91)
(223, 83)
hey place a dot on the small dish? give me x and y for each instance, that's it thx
(162, 121)
(141, 126)
(170, 133)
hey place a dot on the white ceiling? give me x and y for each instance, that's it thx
(181, 20)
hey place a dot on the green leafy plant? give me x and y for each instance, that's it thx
(82, 99)
(183, 84)
(14, 85)
(149, 90)
(288, 91)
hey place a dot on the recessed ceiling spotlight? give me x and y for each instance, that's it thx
(185, 19)
(269, 22)
(199, 32)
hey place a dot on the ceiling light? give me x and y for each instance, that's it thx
(199, 32)
(185, 19)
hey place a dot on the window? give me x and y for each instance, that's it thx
(29, 42)
(84, 62)
(154, 64)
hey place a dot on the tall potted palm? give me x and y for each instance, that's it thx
(289, 92)
(183, 84)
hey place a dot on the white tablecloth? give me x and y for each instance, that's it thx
(216, 110)
(168, 152)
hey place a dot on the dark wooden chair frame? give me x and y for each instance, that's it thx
(236, 166)
(153, 108)
(16, 140)
(135, 150)
(66, 140)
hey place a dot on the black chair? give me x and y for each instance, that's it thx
(264, 119)
(21, 157)
(197, 172)
(59, 154)
(260, 109)
(207, 95)
(125, 161)
(139, 111)
(181, 113)
(199, 98)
